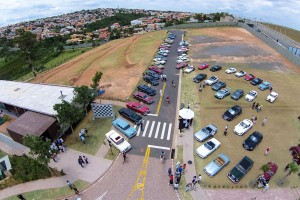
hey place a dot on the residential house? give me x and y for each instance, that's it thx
(136, 22)
(227, 18)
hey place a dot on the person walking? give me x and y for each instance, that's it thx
(124, 157)
(169, 171)
(177, 165)
(85, 159)
(178, 179)
(75, 189)
(225, 130)
(142, 125)
(173, 83)
(168, 99)
(264, 121)
(194, 181)
(252, 118)
(253, 105)
(176, 186)
(199, 178)
(200, 88)
(183, 167)
(256, 106)
(255, 120)
(171, 180)
(270, 88)
(266, 187)
(81, 162)
(267, 151)
(70, 184)
(180, 170)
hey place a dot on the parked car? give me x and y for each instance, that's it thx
(159, 61)
(204, 133)
(118, 141)
(240, 74)
(181, 65)
(230, 70)
(130, 115)
(215, 68)
(124, 127)
(216, 165)
(218, 85)
(295, 152)
(163, 53)
(207, 148)
(138, 107)
(159, 66)
(212, 80)
(251, 95)
(199, 78)
(252, 141)
(243, 127)
(265, 85)
(256, 81)
(232, 113)
(237, 94)
(153, 74)
(266, 176)
(203, 66)
(151, 80)
(189, 69)
(240, 170)
(143, 97)
(222, 93)
(156, 69)
(272, 97)
(146, 89)
(178, 61)
(249, 77)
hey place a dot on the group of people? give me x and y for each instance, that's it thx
(56, 147)
(192, 185)
(82, 135)
(83, 161)
(174, 181)
(163, 77)
(257, 106)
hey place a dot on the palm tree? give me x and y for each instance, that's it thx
(293, 168)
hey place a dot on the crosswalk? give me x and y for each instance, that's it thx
(154, 129)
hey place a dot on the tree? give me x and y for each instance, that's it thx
(293, 168)
(38, 148)
(96, 80)
(83, 96)
(60, 48)
(265, 167)
(67, 114)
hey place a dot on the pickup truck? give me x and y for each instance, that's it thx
(240, 170)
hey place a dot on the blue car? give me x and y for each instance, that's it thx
(265, 85)
(124, 127)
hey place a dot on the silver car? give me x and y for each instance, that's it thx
(203, 134)
(212, 168)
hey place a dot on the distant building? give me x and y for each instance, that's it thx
(227, 18)
(136, 22)
(193, 20)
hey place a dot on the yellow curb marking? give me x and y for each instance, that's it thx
(161, 98)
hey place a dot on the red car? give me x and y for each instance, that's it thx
(181, 65)
(295, 152)
(143, 97)
(203, 66)
(156, 69)
(138, 107)
(272, 170)
(249, 77)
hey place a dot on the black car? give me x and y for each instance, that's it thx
(237, 94)
(146, 89)
(199, 78)
(130, 115)
(153, 74)
(256, 81)
(151, 80)
(218, 85)
(252, 141)
(232, 113)
(215, 68)
(240, 170)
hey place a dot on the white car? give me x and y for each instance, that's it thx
(207, 148)
(164, 50)
(182, 57)
(182, 60)
(240, 74)
(230, 70)
(189, 69)
(243, 127)
(251, 95)
(272, 97)
(118, 141)
(212, 80)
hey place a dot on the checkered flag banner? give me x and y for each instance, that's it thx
(102, 110)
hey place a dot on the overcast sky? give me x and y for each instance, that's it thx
(283, 12)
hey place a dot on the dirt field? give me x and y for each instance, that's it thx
(121, 62)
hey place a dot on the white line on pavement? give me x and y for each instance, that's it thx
(101, 197)
(157, 130)
(158, 147)
(169, 131)
(151, 129)
(145, 130)
(138, 131)
(153, 115)
(163, 131)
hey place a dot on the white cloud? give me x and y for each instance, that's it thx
(283, 12)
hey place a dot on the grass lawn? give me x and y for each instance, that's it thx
(184, 195)
(112, 154)
(2, 154)
(96, 133)
(52, 193)
(291, 33)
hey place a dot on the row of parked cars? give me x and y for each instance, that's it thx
(246, 163)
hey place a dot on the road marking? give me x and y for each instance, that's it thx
(155, 115)
(151, 129)
(163, 131)
(169, 131)
(138, 131)
(145, 130)
(158, 147)
(101, 197)
(157, 129)
(160, 99)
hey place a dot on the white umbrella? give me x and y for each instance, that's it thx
(186, 113)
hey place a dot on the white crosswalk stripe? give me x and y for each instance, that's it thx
(157, 128)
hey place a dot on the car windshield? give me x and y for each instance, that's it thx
(126, 127)
(253, 138)
(252, 93)
(207, 130)
(242, 124)
(212, 78)
(118, 140)
(272, 95)
(145, 96)
(231, 111)
(219, 161)
(136, 106)
(209, 145)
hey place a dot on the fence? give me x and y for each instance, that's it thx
(284, 51)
